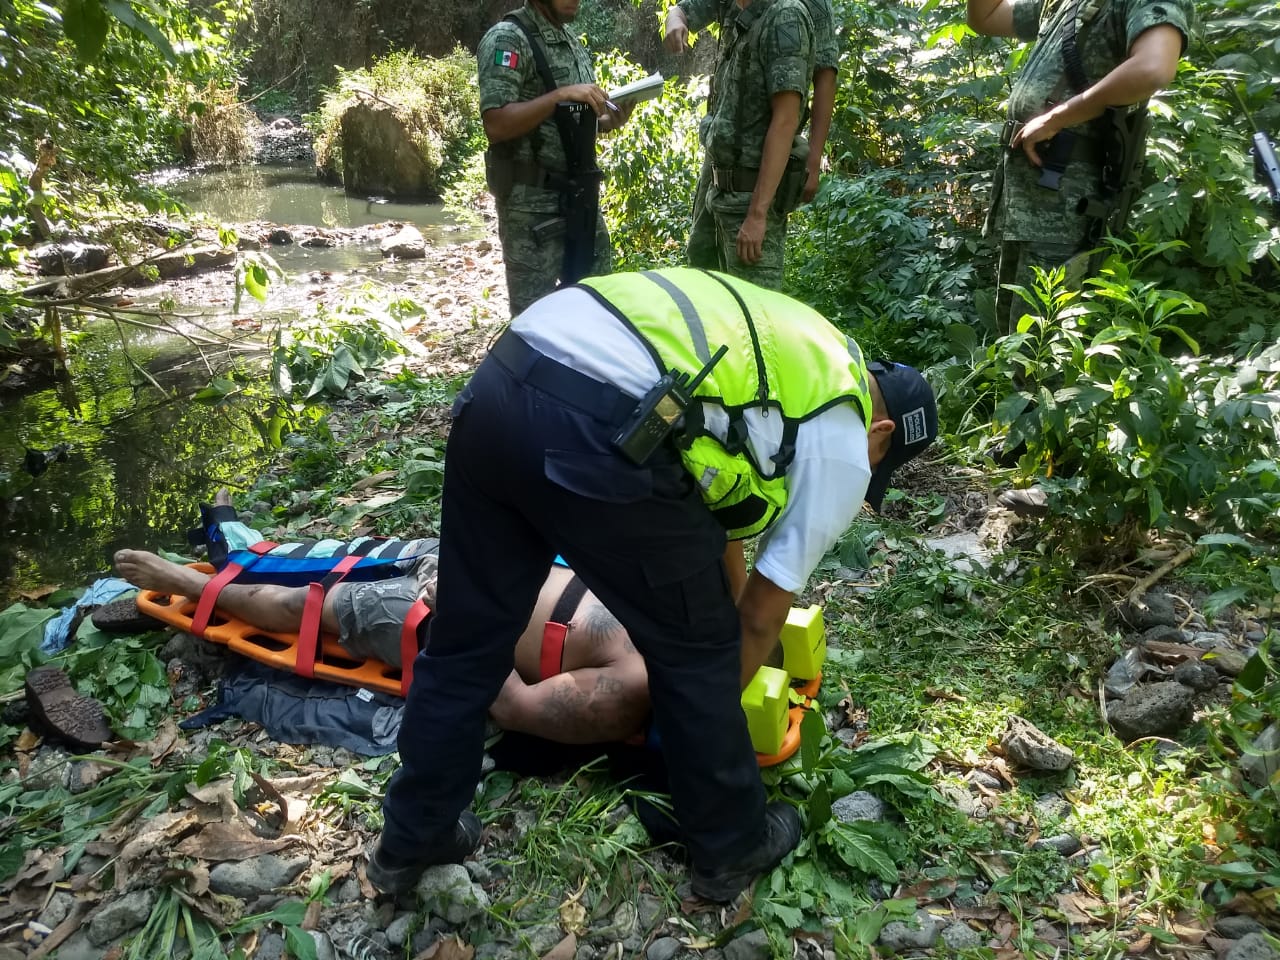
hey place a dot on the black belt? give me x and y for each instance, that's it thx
(603, 401)
(1086, 149)
(534, 175)
(735, 179)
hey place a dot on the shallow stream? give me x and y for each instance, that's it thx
(126, 466)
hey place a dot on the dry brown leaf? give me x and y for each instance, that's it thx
(927, 891)
(158, 833)
(1071, 911)
(448, 948)
(33, 594)
(962, 912)
(937, 693)
(564, 950)
(40, 868)
(573, 917)
(311, 918)
(161, 745)
(374, 479)
(220, 794)
(1139, 946)
(221, 842)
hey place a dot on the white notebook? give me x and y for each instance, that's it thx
(637, 91)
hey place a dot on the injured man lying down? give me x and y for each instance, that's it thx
(596, 692)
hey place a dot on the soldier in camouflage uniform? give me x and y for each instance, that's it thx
(756, 162)
(694, 15)
(1128, 49)
(518, 116)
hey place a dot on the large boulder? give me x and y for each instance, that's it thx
(380, 157)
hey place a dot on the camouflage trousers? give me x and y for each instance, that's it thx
(533, 267)
(1017, 260)
(713, 236)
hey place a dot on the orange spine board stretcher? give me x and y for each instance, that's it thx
(795, 715)
(278, 650)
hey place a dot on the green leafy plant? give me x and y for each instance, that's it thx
(1121, 419)
(651, 166)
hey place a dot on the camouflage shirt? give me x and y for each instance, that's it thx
(509, 74)
(699, 14)
(1023, 210)
(764, 50)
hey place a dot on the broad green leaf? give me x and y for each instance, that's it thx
(125, 13)
(85, 23)
(21, 630)
(301, 945)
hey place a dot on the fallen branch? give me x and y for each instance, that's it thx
(1146, 583)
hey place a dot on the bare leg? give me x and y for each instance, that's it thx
(267, 606)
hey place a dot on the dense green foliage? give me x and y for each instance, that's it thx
(110, 86)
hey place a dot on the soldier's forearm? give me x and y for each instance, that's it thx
(824, 99)
(518, 118)
(1152, 63)
(777, 148)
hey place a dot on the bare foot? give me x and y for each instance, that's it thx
(222, 498)
(145, 569)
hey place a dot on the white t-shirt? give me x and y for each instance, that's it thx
(826, 482)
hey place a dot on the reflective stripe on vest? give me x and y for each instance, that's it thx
(784, 359)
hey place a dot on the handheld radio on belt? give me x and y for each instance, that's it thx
(660, 412)
(1265, 168)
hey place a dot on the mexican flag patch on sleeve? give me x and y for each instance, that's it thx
(506, 58)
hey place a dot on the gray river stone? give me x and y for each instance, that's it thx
(664, 948)
(1253, 946)
(447, 891)
(1064, 843)
(408, 244)
(1025, 744)
(920, 935)
(121, 916)
(1263, 760)
(858, 805)
(257, 875)
(961, 936)
(752, 946)
(1152, 710)
(1236, 927)
(1197, 675)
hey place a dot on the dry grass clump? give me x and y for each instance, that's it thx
(220, 129)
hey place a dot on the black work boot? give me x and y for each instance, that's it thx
(392, 873)
(781, 834)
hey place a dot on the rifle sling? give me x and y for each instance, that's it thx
(549, 83)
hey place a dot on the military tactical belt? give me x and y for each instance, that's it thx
(534, 175)
(735, 179)
(1086, 149)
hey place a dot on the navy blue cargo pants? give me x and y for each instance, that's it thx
(530, 472)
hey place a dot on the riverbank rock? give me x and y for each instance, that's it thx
(1153, 710)
(379, 155)
(1025, 744)
(408, 244)
(70, 258)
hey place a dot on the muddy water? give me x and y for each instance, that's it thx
(127, 466)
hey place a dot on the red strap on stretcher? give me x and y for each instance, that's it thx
(409, 643)
(213, 589)
(553, 634)
(309, 631)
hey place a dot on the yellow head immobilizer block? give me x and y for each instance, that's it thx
(765, 702)
(804, 643)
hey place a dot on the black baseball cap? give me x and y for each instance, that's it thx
(914, 411)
